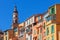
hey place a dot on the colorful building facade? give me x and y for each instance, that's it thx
(8, 34)
(44, 26)
(53, 23)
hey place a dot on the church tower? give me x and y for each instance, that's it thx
(15, 21)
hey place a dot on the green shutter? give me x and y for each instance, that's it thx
(52, 10)
(52, 37)
(52, 29)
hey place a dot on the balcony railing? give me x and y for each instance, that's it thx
(28, 29)
(51, 17)
(22, 29)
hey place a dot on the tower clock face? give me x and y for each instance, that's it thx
(13, 15)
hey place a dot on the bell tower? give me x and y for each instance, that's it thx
(15, 15)
(15, 18)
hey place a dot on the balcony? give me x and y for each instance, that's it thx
(21, 34)
(41, 20)
(28, 30)
(51, 19)
(22, 31)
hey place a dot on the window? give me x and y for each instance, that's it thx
(38, 18)
(5, 33)
(30, 37)
(22, 32)
(40, 37)
(27, 22)
(16, 21)
(52, 29)
(27, 30)
(26, 38)
(37, 31)
(52, 37)
(54, 17)
(34, 23)
(6, 38)
(47, 31)
(44, 34)
(34, 31)
(52, 11)
(15, 30)
(48, 18)
(44, 26)
(40, 30)
(31, 20)
(22, 29)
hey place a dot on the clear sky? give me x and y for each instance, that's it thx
(26, 8)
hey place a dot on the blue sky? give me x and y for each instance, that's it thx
(25, 8)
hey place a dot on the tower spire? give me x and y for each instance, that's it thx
(15, 9)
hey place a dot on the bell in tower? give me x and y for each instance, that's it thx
(15, 15)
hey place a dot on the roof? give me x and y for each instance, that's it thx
(1, 32)
(54, 5)
(7, 30)
(44, 13)
(35, 15)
